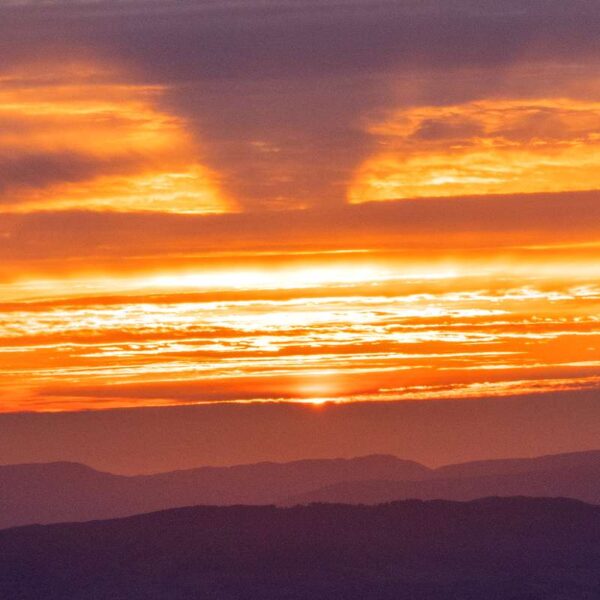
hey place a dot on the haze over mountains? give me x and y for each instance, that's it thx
(496, 548)
(58, 492)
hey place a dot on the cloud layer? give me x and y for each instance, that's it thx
(245, 201)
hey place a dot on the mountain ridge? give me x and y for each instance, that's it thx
(67, 491)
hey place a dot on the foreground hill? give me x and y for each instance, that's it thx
(58, 492)
(511, 548)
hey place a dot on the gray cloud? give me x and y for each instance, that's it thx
(40, 169)
(208, 40)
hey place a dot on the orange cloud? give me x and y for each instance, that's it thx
(82, 140)
(483, 147)
(351, 333)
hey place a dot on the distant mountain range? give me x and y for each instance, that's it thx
(59, 492)
(495, 548)
(566, 475)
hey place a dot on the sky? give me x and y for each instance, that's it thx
(290, 206)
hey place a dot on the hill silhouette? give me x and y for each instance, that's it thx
(497, 549)
(56, 492)
(59, 492)
(581, 482)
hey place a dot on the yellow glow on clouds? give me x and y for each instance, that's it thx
(369, 335)
(483, 147)
(89, 143)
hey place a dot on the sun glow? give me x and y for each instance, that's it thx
(295, 278)
(351, 331)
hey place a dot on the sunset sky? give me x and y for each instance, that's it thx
(315, 202)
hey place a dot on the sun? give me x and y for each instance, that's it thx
(318, 401)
